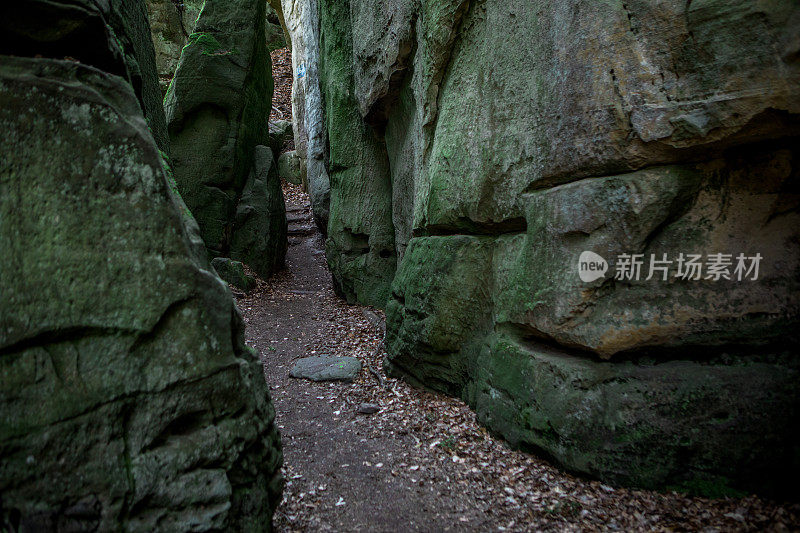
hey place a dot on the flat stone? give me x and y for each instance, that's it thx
(326, 368)
(368, 408)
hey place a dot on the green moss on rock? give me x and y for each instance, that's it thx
(128, 399)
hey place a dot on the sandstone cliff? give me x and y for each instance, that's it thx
(477, 148)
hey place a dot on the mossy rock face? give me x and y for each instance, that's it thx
(232, 273)
(360, 246)
(171, 23)
(260, 228)
(216, 125)
(290, 168)
(519, 135)
(716, 427)
(113, 36)
(128, 399)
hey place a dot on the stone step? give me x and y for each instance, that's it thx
(301, 230)
(307, 218)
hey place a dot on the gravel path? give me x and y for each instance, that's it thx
(422, 463)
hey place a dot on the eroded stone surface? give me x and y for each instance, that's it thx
(128, 399)
(519, 135)
(215, 127)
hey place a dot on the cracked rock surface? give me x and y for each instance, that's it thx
(128, 399)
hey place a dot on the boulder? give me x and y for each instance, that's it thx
(113, 36)
(326, 368)
(260, 227)
(216, 125)
(290, 168)
(128, 398)
(232, 273)
(172, 24)
(280, 132)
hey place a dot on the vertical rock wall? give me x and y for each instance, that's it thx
(506, 139)
(360, 245)
(217, 109)
(302, 19)
(128, 399)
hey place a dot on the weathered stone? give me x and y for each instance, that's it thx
(289, 168)
(128, 399)
(280, 131)
(259, 229)
(216, 125)
(276, 19)
(326, 368)
(171, 24)
(714, 426)
(519, 135)
(303, 24)
(113, 36)
(368, 408)
(360, 245)
(276, 36)
(232, 273)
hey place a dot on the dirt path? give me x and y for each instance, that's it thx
(338, 463)
(422, 463)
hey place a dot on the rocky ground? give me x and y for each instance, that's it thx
(422, 462)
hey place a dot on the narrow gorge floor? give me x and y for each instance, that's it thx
(422, 463)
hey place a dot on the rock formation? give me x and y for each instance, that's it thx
(128, 399)
(173, 22)
(290, 168)
(215, 128)
(113, 36)
(360, 245)
(506, 139)
(302, 22)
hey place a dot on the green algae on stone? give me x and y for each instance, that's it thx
(128, 399)
(360, 246)
(216, 125)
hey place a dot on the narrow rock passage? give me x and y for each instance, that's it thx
(422, 463)
(338, 463)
